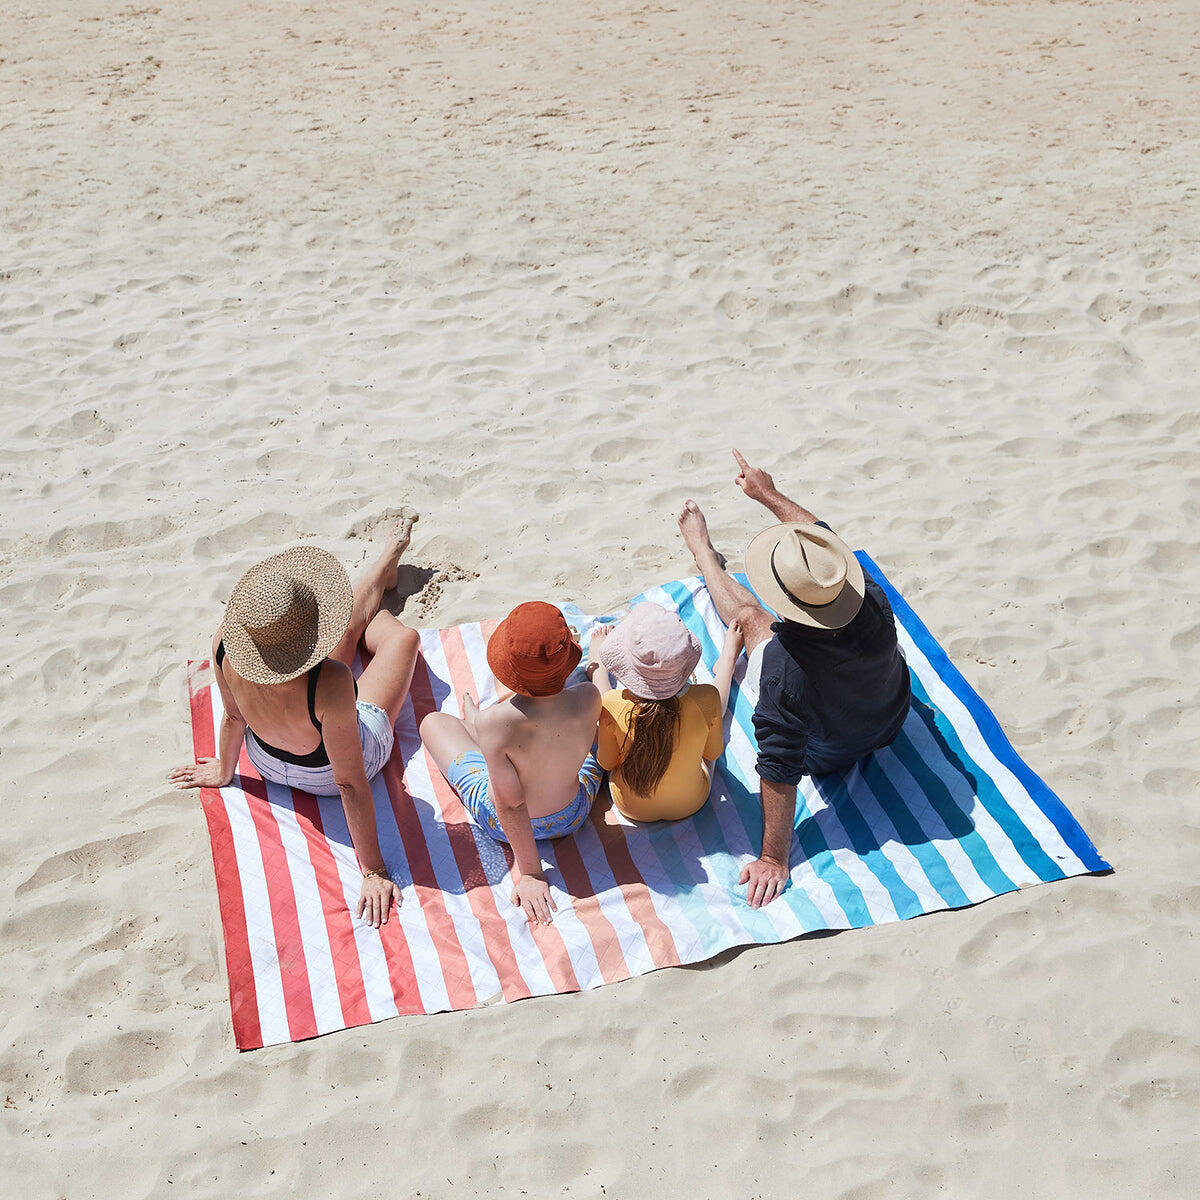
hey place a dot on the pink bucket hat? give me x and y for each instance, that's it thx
(651, 652)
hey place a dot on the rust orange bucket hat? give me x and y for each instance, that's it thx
(533, 651)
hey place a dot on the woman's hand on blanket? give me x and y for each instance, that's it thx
(766, 879)
(375, 901)
(204, 772)
(532, 895)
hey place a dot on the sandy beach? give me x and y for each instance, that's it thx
(270, 273)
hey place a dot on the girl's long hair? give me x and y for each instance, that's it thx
(652, 731)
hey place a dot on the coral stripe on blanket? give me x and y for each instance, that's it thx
(945, 817)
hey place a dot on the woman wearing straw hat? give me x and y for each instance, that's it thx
(282, 661)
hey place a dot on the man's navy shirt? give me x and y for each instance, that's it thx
(828, 697)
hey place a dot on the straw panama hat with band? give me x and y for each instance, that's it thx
(651, 652)
(533, 650)
(807, 574)
(286, 614)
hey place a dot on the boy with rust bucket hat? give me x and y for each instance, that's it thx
(524, 768)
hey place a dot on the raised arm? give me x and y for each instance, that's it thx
(597, 672)
(758, 485)
(336, 707)
(727, 660)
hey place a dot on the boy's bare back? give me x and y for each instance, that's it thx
(546, 739)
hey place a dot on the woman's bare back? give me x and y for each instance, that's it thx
(276, 712)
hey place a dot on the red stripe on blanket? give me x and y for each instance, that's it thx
(452, 959)
(659, 939)
(239, 968)
(339, 924)
(606, 943)
(281, 895)
(494, 929)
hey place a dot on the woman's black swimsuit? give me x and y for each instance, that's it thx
(318, 757)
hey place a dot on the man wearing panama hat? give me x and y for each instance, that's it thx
(832, 683)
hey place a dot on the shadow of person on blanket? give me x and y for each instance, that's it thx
(906, 800)
(932, 805)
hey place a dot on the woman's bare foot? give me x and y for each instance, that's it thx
(694, 529)
(399, 537)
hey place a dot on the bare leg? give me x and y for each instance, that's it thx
(394, 649)
(733, 602)
(368, 591)
(445, 737)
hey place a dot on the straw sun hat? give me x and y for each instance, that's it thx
(286, 614)
(807, 574)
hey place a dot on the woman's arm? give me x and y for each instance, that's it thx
(217, 772)
(339, 728)
(531, 892)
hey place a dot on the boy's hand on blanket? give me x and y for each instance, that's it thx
(205, 772)
(766, 879)
(376, 898)
(532, 895)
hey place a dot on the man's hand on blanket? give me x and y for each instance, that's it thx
(205, 772)
(532, 895)
(375, 900)
(766, 879)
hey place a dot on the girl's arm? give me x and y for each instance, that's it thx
(723, 668)
(597, 672)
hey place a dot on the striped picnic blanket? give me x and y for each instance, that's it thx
(947, 816)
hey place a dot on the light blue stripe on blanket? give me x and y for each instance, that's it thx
(946, 816)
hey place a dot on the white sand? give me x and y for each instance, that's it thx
(269, 271)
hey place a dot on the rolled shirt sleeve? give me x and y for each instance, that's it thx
(781, 730)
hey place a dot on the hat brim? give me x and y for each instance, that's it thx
(504, 670)
(835, 615)
(318, 570)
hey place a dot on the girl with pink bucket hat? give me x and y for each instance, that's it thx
(658, 731)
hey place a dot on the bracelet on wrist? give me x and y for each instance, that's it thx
(380, 874)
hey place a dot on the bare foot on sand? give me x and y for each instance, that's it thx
(694, 528)
(399, 537)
